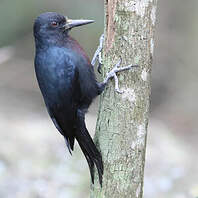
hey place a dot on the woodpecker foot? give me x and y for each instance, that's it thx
(112, 74)
(98, 54)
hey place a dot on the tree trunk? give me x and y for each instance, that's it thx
(123, 118)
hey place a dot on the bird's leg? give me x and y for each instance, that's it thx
(112, 74)
(98, 54)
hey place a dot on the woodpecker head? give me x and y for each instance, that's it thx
(53, 25)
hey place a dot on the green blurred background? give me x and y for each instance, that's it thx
(34, 161)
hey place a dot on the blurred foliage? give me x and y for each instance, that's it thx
(17, 17)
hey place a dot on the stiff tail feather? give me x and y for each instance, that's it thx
(89, 149)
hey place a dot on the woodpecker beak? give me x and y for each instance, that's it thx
(74, 23)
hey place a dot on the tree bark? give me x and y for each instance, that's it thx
(123, 118)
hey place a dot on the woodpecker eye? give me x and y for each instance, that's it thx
(54, 23)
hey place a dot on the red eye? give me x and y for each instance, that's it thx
(54, 23)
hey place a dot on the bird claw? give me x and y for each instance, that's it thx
(112, 74)
(116, 69)
(99, 68)
(98, 54)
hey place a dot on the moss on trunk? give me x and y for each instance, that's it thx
(123, 118)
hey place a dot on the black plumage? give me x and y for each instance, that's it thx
(67, 82)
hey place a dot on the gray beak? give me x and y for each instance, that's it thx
(74, 23)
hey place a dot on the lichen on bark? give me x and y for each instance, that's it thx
(123, 118)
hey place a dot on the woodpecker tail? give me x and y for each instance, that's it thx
(88, 148)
